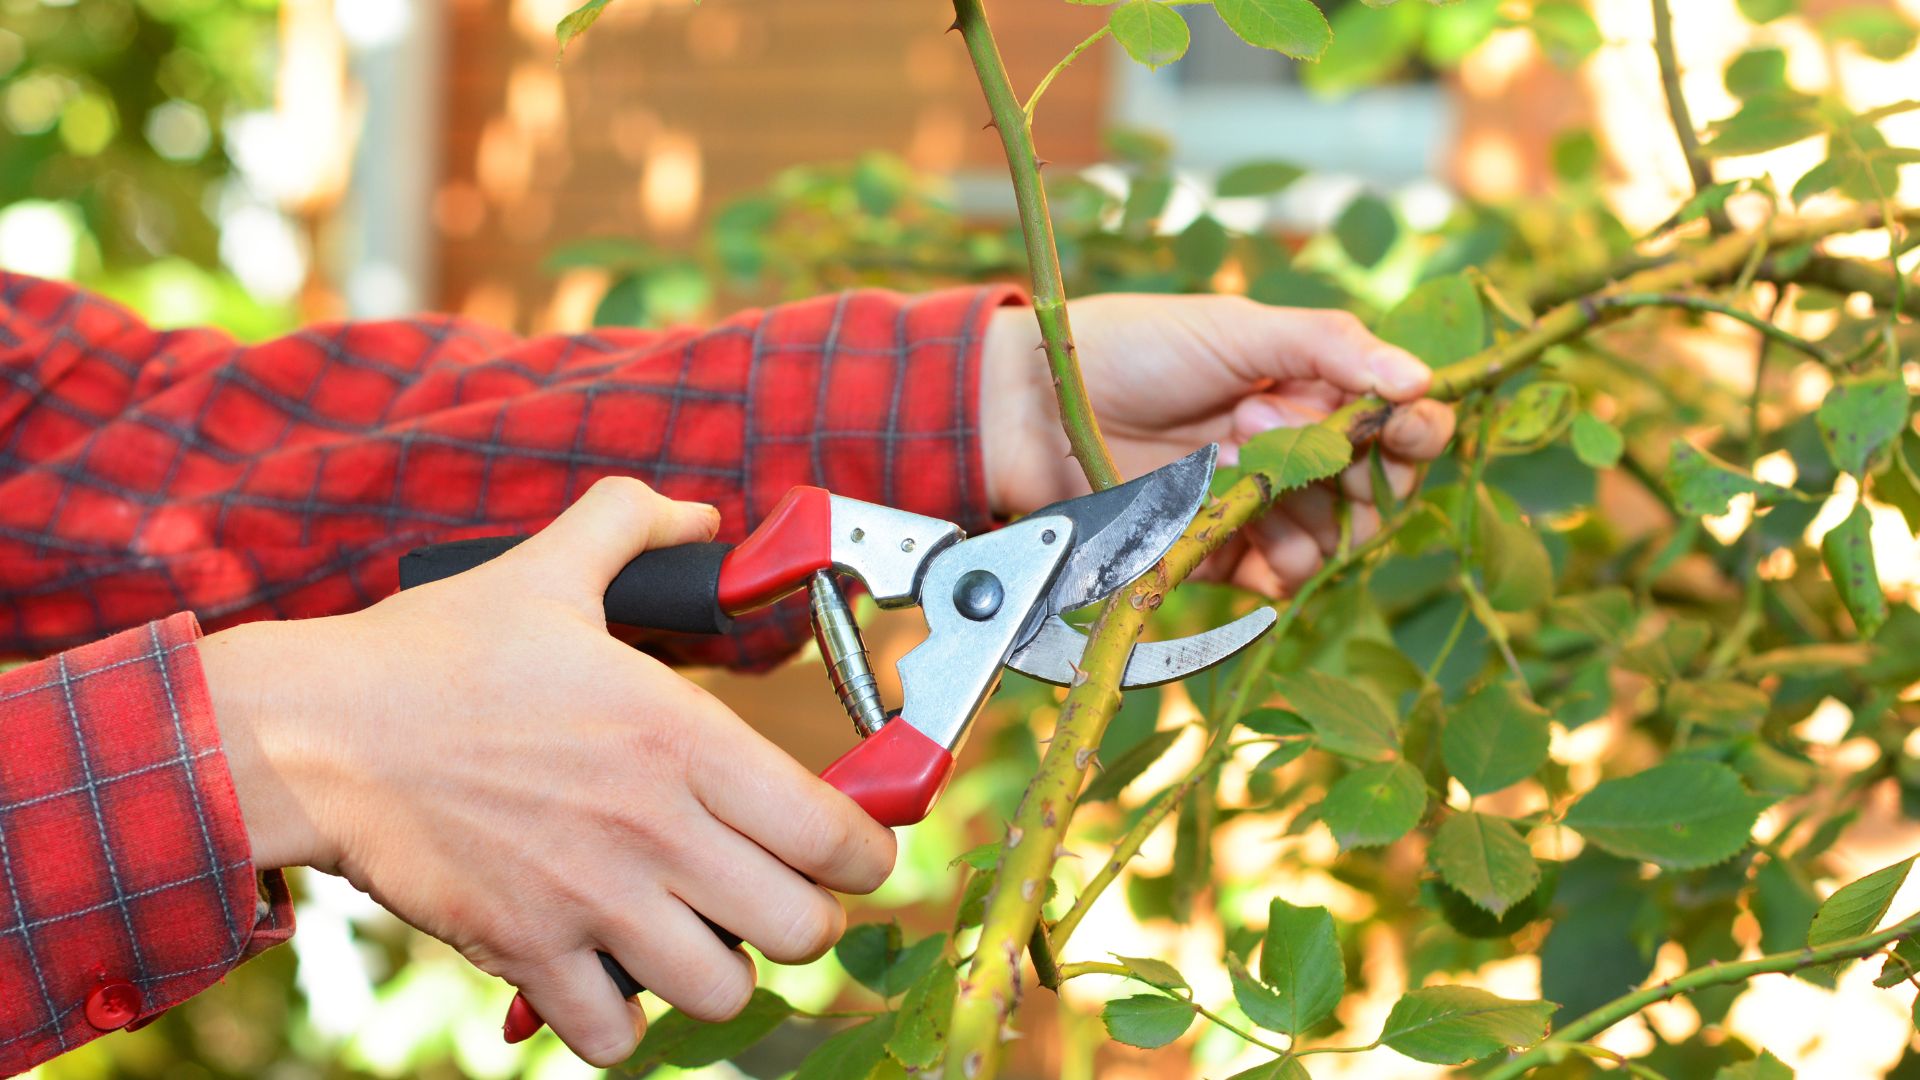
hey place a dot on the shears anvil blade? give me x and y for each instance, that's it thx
(1119, 533)
(1053, 652)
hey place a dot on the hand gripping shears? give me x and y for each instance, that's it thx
(991, 602)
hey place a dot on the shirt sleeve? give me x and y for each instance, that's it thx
(145, 472)
(126, 883)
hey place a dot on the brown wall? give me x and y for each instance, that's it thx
(666, 109)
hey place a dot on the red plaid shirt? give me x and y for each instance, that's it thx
(149, 477)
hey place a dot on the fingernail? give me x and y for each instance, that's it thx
(1397, 373)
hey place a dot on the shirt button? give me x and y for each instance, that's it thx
(113, 1005)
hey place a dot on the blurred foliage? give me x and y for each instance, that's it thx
(113, 128)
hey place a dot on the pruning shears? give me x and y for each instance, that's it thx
(991, 602)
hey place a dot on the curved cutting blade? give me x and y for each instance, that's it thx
(1053, 652)
(1119, 533)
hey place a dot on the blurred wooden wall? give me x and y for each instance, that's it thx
(667, 108)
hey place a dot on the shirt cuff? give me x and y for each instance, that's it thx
(130, 884)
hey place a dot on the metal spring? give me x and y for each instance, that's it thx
(845, 653)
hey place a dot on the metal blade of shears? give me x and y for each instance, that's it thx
(1053, 652)
(1119, 533)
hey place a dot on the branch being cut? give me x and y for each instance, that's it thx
(1043, 258)
(990, 991)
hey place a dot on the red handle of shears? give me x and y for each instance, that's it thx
(895, 774)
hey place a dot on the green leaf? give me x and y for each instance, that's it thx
(1722, 705)
(680, 1040)
(1346, 719)
(1764, 1067)
(1757, 71)
(1847, 549)
(1513, 561)
(1148, 1021)
(920, 1032)
(1879, 31)
(1256, 178)
(1861, 415)
(1298, 456)
(1784, 904)
(1763, 11)
(576, 21)
(1857, 907)
(1371, 44)
(1765, 122)
(849, 1055)
(1200, 248)
(1566, 32)
(1898, 482)
(1300, 963)
(1287, 1068)
(1375, 804)
(1494, 739)
(1486, 860)
(1293, 27)
(1903, 963)
(1277, 722)
(1151, 32)
(1680, 815)
(1439, 322)
(1534, 417)
(1366, 229)
(1472, 921)
(1705, 201)
(876, 955)
(1597, 443)
(1703, 484)
(1116, 775)
(1295, 288)
(1452, 1025)
(1153, 972)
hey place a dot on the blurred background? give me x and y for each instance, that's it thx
(256, 164)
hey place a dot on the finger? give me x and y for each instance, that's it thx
(1418, 432)
(1311, 509)
(769, 798)
(1364, 520)
(1294, 343)
(1258, 413)
(677, 956)
(1291, 553)
(1357, 479)
(582, 1006)
(1254, 573)
(619, 517)
(738, 885)
(1220, 565)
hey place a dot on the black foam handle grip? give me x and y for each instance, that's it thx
(672, 588)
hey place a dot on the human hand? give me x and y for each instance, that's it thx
(481, 757)
(1167, 374)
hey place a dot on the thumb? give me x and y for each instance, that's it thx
(619, 517)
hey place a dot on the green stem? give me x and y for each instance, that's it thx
(1708, 305)
(1043, 257)
(1697, 165)
(1072, 55)
(1714, 974)
(1218, 750)
(1045, 968)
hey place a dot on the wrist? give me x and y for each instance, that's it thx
(1022, 446)
(274, 759)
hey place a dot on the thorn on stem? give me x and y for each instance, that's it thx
(1014, 835)
(954, 25)
(1081, 757)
